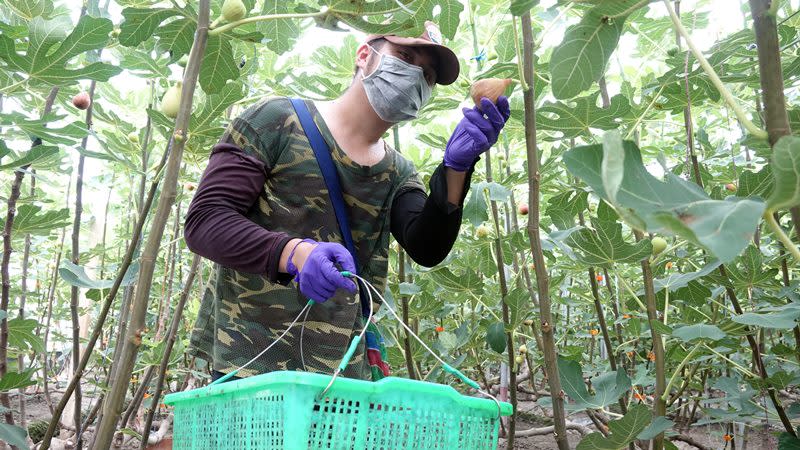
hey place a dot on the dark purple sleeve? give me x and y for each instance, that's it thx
(216, 227)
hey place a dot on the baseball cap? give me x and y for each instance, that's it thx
(447, 65)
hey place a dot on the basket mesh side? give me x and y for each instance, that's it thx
(334, 424)
(478, 433)
(234, 423)
(421, 427)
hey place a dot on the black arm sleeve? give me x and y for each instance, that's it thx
(426, 226)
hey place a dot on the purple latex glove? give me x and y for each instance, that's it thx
(319, 278)
(476, 133)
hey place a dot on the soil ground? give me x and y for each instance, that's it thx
(757, 438)
(532, 416)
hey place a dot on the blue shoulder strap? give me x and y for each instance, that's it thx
(328, 169)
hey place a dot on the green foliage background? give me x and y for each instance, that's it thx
(591, 202)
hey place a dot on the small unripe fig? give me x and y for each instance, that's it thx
(523, 209)
(519, 359)
(523, 349)
(183, 60)
(81, 100)
(491, 88)
(482, 231)
(528, 322)
(115, 32)
(659, 244)
(233, 10)
(730, 187)
(171, 101)
(133, 137)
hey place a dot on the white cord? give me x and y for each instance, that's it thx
(411, 332)
(302, 311)
(369, 288)
(363, 331)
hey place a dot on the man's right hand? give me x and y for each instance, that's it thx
(313, 265)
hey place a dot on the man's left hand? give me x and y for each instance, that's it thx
(475, 133)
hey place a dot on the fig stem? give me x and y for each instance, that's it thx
(712, 74)
(785, 240)
(265, 17)
(523, 84)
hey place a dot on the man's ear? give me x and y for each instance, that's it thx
(362, 55)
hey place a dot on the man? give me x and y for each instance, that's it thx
(262, 210)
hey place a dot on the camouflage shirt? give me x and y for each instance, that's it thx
(242, 313)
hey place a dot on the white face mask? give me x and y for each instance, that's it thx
(396, 89)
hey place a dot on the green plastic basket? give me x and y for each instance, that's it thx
(280, 411)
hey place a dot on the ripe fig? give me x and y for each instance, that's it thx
(482, 231)
(171, 101)
(523, 349)
(523, 209)
(659, 244)
(491, 88)
(730, 187)
(189, 187)
(81, 100)
(233, 10)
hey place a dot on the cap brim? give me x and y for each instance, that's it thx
(447, 65)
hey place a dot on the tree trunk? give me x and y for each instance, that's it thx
(542, 277)
(659, 404)
(26, 254)
(76, 237)
(771, 76)
(11, 205)
(170, 275)
(173, 331)
(133, 337)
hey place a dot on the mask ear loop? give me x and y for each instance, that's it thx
(372, 49)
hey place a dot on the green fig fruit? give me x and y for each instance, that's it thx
(659, 244)
(233, 10)
(171, 101)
